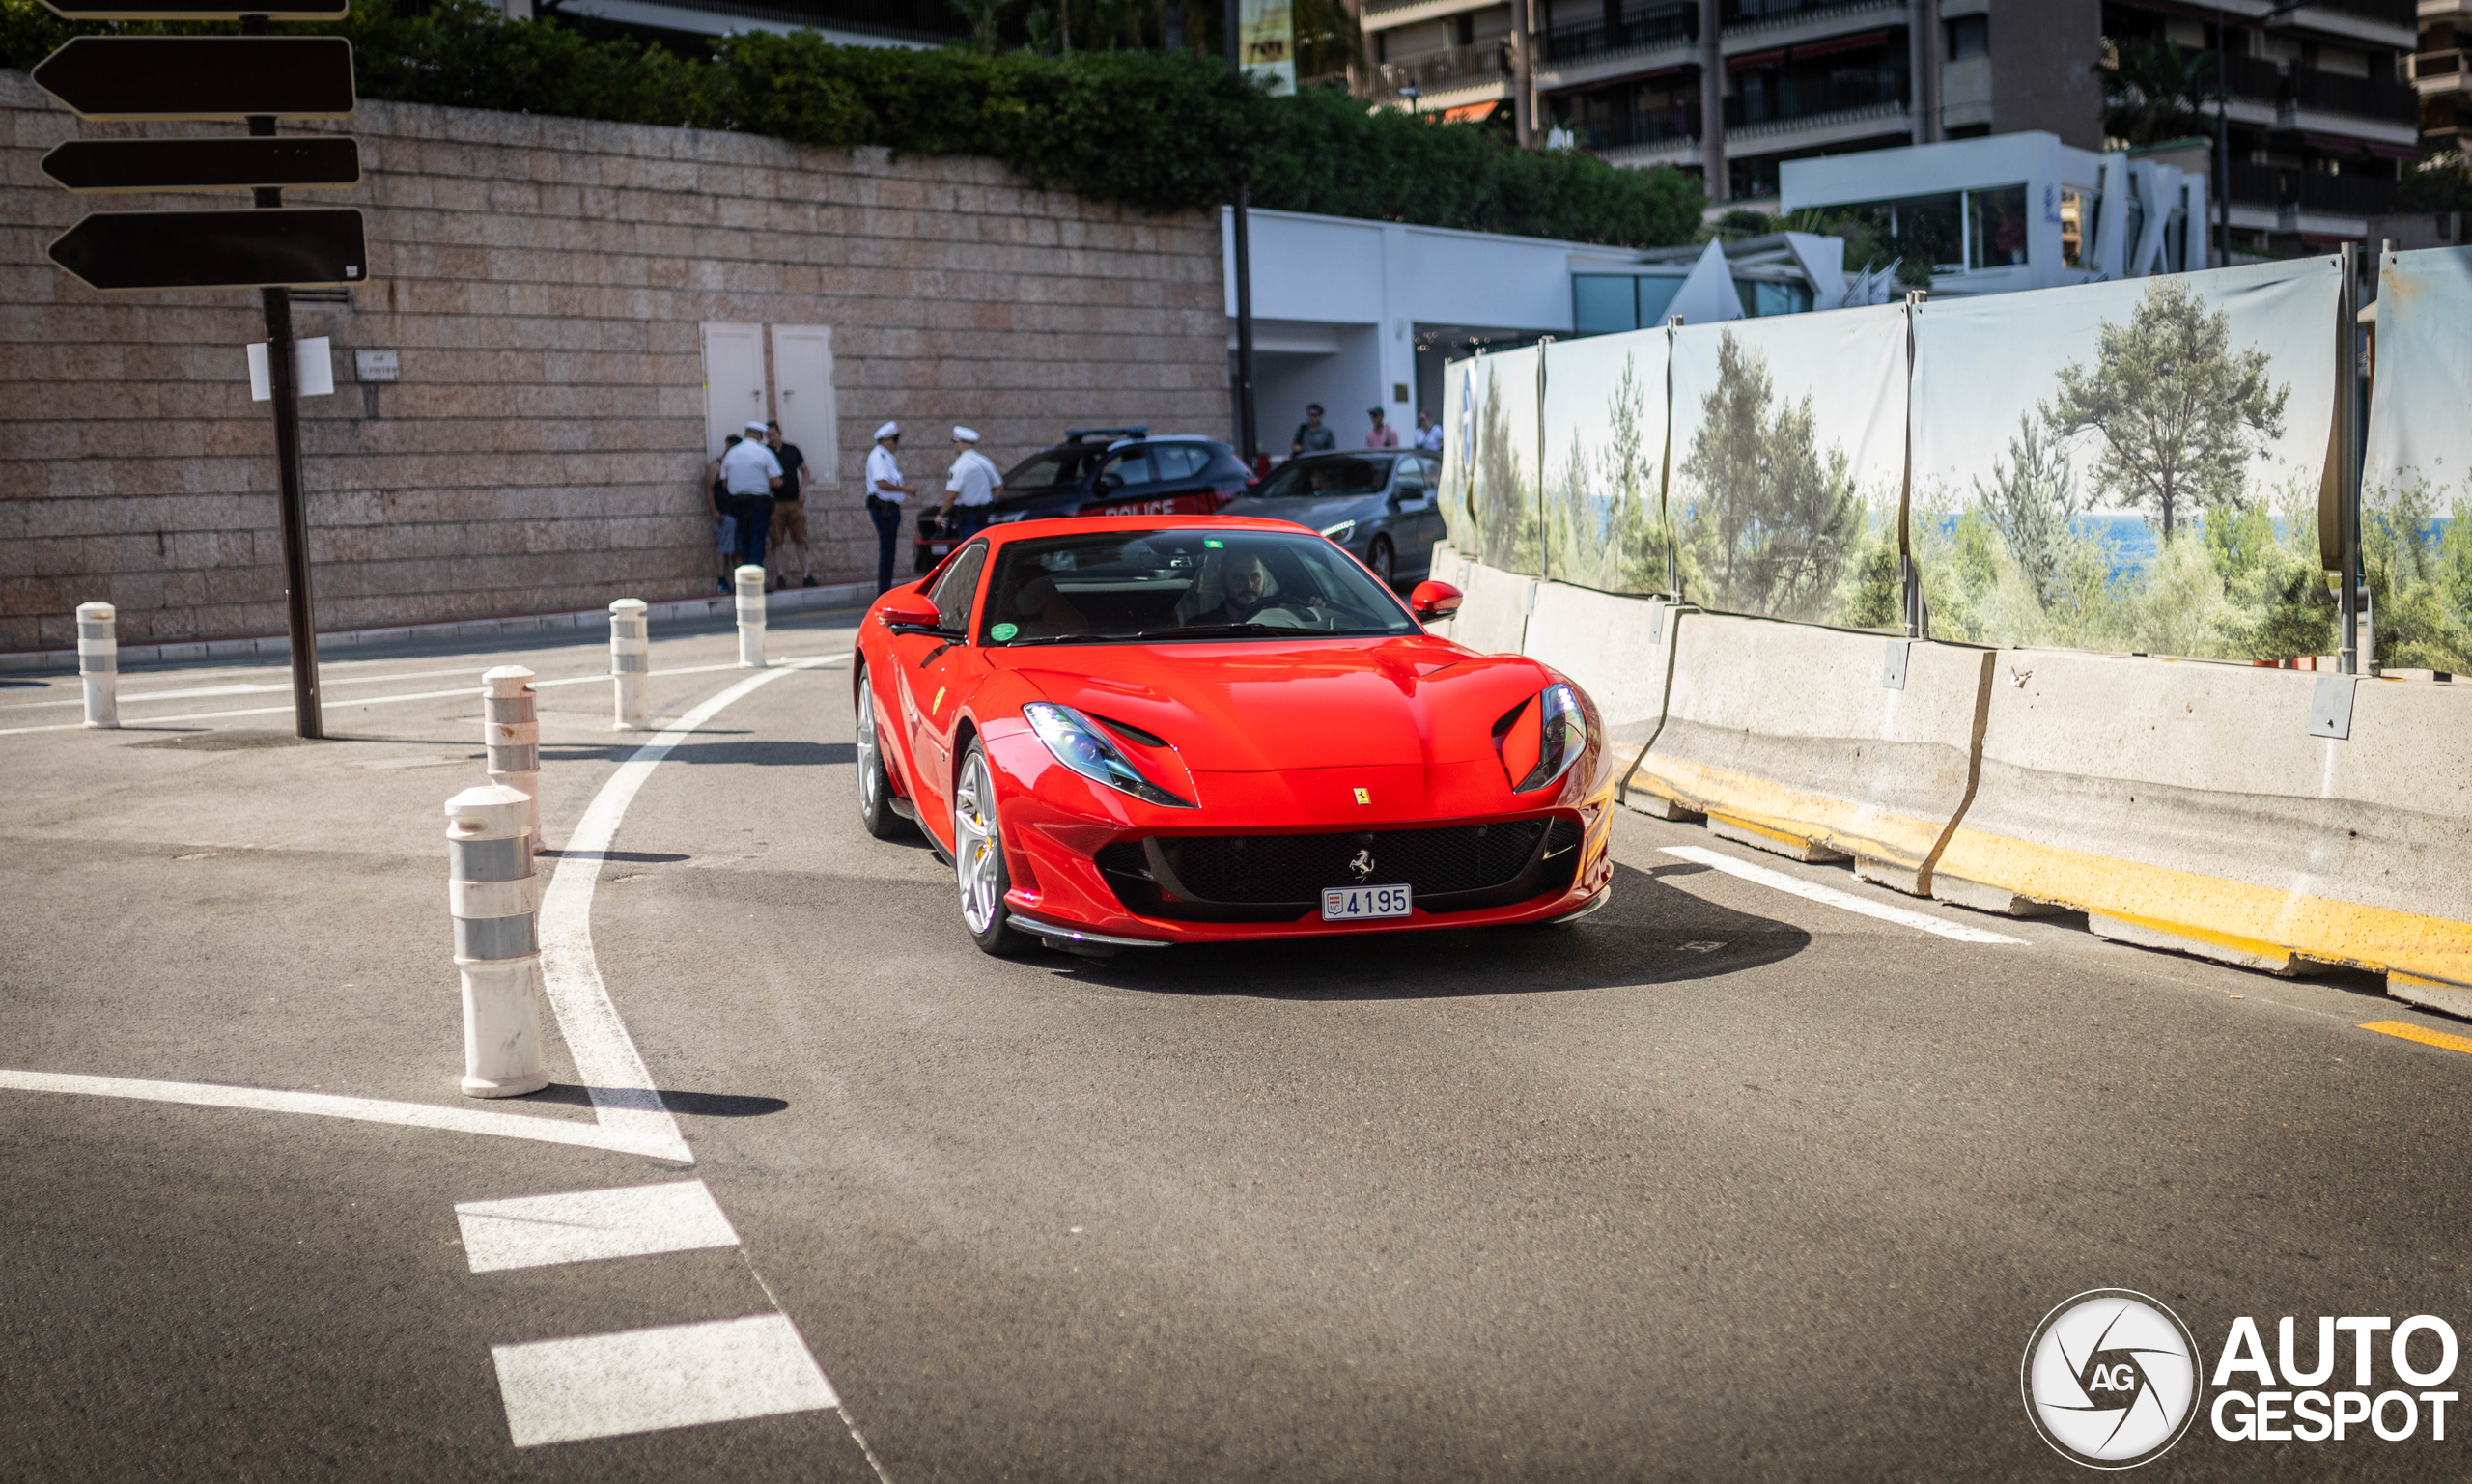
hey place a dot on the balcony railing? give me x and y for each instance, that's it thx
(1442, 71)
(2394, 13)
(1741, 12)
(2362, 97)
(2437, 63)
(1673, 24)
(2313, 190)
(1659, 125)
(1835, 94)
(2253, 77)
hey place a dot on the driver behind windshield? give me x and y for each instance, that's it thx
(1249, 592)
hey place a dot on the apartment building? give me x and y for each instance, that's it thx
(2317, 120)
(2441, 81)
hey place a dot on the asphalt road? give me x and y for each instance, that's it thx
(1722, 1183)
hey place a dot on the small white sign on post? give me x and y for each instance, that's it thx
(313, 368)
(377, 365)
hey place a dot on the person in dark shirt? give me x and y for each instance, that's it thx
(789, 509)
(1311, 437)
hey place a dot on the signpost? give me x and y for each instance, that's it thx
(255, 77)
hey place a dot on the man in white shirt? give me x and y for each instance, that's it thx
(751, 473)
(885, 492)
(973, 485)
(1428, 434)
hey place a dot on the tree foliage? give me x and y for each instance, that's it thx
(1156, 130)
(1774, 520)
(2176, 408)
(2155, 89)
(2030, 500)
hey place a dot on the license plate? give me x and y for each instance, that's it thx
(1341, 903)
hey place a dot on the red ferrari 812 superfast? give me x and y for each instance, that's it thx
(1138, 731)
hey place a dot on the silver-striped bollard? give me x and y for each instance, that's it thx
(511, 731)
(631, 660)
(98, 663)
(495, 900)
(750, 618)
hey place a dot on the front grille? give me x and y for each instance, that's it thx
(1276, 877)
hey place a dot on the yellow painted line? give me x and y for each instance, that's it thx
(2436, 1038)
(1789, 814)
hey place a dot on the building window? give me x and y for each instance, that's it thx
(1765, 297)
(1996, 227)
(2072, 229)
(1610, 303)
(1969, 37)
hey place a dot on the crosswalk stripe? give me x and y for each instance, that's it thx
(538, 1231)
(641, 1381)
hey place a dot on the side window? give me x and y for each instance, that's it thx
(1134, 468)
(959, 584)
(1179, 461)
(1412, 477)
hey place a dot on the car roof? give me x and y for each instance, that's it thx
(1066, 525)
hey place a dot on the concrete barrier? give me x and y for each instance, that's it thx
(1818, 743)
(2268, 818)
(1493, 617)
(1614, 647)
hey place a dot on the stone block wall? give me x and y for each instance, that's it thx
(544, 282)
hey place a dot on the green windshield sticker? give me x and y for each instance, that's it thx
(1213, 542)
(1003, 631)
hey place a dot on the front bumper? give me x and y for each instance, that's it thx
(1057, 825)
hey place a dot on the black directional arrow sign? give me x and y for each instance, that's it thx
(90, 165)
(201, 76)
(216, 249)
(197, 10)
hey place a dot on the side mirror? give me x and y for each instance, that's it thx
(1107, 484)
(1432, 600)
(910, 612)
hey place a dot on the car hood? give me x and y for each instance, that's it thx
(1239, 706)
(1312, 515)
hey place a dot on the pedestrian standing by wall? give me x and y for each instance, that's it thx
(789, 508)
(1428, 434)
(973, 485)
(1382, 435)
(885, 492)
(716, 500)
(753, 474)
(1311, 437)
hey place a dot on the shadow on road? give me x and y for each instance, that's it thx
(1648, 933)
(702, 1105)
(759, 754)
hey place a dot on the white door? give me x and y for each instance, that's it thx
(802, 384)
(733, 381)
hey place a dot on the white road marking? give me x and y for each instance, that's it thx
(579, 1226)
(1845, 900)
(606, 1057)
(631, 1117)
(414, 1115)
(334, 704)
(641, 1381)
(242, 688)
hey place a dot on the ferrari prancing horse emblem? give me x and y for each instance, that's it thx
(1361, 865)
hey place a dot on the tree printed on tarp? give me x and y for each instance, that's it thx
(1603, 527)
(1774, 521)
(2030, 500)
(2177, 411)
(1501, 497)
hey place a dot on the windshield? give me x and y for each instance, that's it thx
(1058, 468)
(1120, 587)
(1322, 479)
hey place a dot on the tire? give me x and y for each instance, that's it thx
(979, 861)
(1385, 564)
(875, 785)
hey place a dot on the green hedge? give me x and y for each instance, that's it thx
(1158, 131)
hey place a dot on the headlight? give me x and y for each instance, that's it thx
(1083, 747)
(1563, 736)
(1340, 532)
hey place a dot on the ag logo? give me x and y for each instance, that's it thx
(2111, 1378)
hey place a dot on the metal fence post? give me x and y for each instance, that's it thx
(631, 660)
(750, 618)
(511, 731)
(98, 663)
(494, 898)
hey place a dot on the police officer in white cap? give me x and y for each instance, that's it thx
(973, 485)
(885, 492)
(751, 475)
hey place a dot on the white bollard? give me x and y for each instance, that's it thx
(98, 663)
(631, 660)
(750, 618)
(495, 900)
(511, 731)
